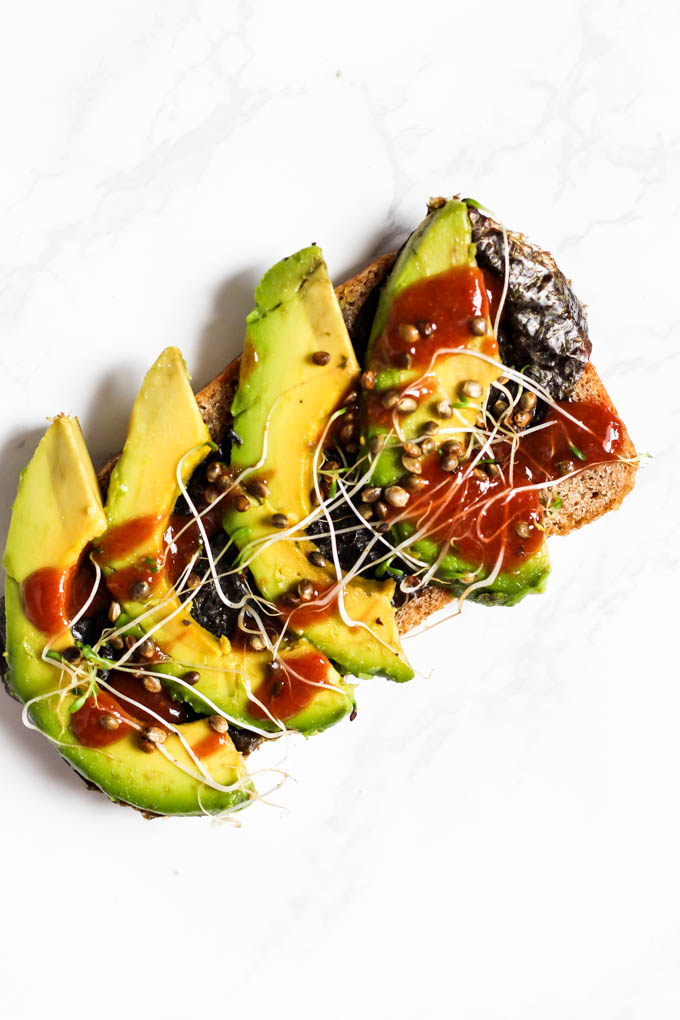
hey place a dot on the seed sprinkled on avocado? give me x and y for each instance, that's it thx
(396, 496)
(109, 721)
(389, 399)
(414, 482)
(156, 734)
(368, 380)
(429, 428)
(140, 590)
(522, 419)
(444, 409)
(471, 388)
(258, 489)
(279, 520)
(317, 559)
(347, 434)
(146, 745)
(371, 494)
(412, 450)
(256, 643)
(306, 590)
(192, 677)
(218, 723)
(409, 333)
(412, 465)
(449, 463)
(407, 405)
(241, 503)
(321, 357)
(478, 326)
(147, 649)
(113, 612)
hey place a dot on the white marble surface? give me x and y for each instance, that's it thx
(500, 838)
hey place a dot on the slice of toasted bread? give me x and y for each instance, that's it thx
(585, 496)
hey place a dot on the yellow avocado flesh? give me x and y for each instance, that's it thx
(282, 406)
(53, 531)
(60, 478)
(441, 242)
(165, 429)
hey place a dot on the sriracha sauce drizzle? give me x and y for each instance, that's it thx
(445, 302)
(86, 722)
(290, 688)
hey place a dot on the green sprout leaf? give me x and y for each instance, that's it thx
(577, 453)
(90, 692)
(78, 704)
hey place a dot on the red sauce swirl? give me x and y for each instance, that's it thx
(484, 516)
(288, 690)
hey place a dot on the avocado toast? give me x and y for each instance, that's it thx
(412, 438)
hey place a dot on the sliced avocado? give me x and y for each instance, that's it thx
(57, 512)
(298, 365)
(439, 250)
(166, 430)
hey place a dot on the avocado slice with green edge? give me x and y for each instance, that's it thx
(57, 513)
(166, 430)
(283, 404)
(442, 241)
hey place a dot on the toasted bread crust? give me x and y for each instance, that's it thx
(585, 496)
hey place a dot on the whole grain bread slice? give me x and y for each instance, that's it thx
(585, 496)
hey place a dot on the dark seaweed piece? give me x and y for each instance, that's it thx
(544, 324)
(350, 545)
(89, 628)
(244, 741)
(207, 608)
